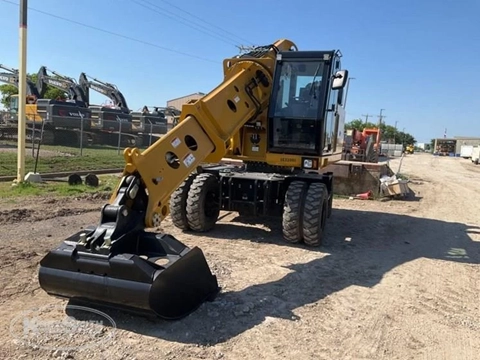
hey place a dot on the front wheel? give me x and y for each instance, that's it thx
(178, 203)
(315, 213)
(203, 202)
(293, 212)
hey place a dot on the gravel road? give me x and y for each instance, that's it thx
(395, 280)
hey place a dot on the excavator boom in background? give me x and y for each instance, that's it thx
(11, 77)
(71, 119)
(279, 111)
(113, 118)
(67, 84)
(119, 117)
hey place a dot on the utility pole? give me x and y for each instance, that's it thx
(395, 133)
(366, 118)
(22, 92)
(380, 117)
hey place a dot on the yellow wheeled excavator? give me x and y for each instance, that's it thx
(278, 110)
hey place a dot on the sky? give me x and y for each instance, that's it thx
(417, 60)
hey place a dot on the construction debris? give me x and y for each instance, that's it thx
(393, 187)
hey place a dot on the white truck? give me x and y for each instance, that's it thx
(476, 154)
(466, 151)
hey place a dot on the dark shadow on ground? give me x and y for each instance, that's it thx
(410, 197)
(357, 253)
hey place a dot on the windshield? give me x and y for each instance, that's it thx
(14, 104)
(296, 97)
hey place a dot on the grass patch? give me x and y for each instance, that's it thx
(54, 159)
(58, 188)
(401, 176)
(340, 196)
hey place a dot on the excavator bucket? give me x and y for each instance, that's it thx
(149, 273)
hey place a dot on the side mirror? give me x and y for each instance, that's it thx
(340, 79)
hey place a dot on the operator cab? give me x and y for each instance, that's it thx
(13, 105)
(307, 91)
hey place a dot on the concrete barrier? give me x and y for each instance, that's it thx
(353, 177)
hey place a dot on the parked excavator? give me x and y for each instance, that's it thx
(66, 116)
(55, 121)
(410, 149)
(11, 77)
(110, 119)
(133, 125)
(151, 122)
(33, 119)
(280, 111)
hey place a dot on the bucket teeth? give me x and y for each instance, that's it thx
(152, 273)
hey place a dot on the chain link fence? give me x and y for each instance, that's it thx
(73, 143)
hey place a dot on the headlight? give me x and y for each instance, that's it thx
(307, 163)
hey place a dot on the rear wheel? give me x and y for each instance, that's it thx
(203, 202)
(315, 212)
(293, 212)
(178, 203)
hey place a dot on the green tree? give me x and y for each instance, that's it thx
(388, 132)
(359, 124)
(8, 90)
(404, 138)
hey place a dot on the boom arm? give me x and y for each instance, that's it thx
(202, 135)
(107, 89)
(65, 83)
(11, 78)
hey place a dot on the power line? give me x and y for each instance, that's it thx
(206, 22)
(187, 22)
(115, 34)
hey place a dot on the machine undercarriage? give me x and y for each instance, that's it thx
(303, 201)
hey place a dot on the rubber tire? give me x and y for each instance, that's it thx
(330, 206)
(48, 137)
(139, 141)
(292, 216)
(178, 203)
(315, 213)
(203, 207)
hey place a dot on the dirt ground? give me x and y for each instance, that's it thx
(394, 280)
